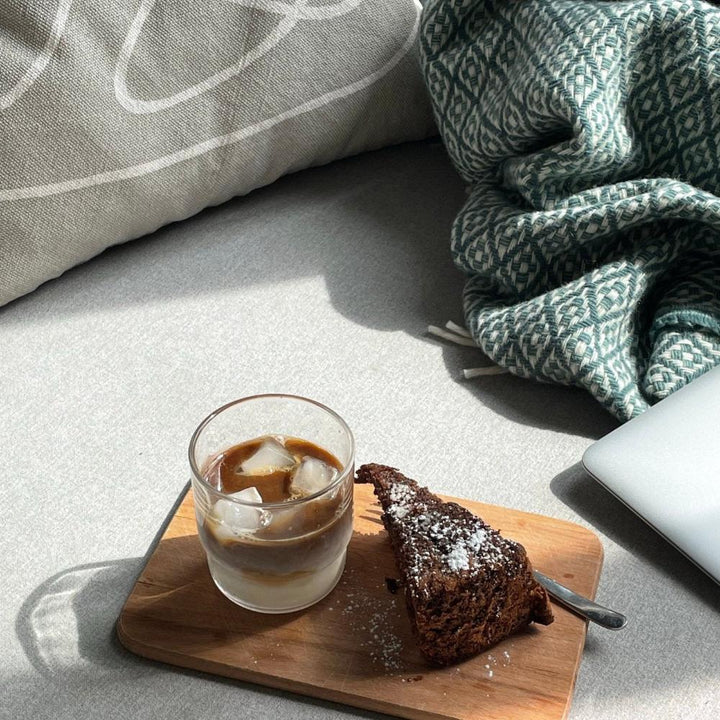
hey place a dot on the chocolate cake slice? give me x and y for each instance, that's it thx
(466, 586)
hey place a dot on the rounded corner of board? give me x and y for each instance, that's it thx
(124, 638)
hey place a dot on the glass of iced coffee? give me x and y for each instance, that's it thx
(272, 477)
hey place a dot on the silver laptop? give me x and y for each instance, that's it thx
(665, 465)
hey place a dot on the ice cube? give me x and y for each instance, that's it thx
(248, 495)
(269, 457)
(311, 476)
(233, 519)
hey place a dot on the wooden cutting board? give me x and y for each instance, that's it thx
(356, 646)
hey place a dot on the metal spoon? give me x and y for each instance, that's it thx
(581, 605)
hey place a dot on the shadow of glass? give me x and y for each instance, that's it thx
(67, 625)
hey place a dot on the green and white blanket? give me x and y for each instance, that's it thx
(589, 134)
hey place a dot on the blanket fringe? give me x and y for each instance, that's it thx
(460, 336)
(471, 373)
(454, 327)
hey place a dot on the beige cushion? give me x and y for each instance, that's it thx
(118, 118)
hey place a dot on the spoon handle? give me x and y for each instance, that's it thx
(581, 605)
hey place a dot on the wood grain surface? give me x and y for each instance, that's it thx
(356, 646)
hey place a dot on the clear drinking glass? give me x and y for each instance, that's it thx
(294, 553)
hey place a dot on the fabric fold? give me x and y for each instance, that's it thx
(589, 133)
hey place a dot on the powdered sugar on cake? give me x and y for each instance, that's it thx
(402, 498)
(466, 547)
(457, 559)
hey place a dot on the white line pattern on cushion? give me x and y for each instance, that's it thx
(291, 14)
(302, 11)
(41, 60)
(198, 149)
